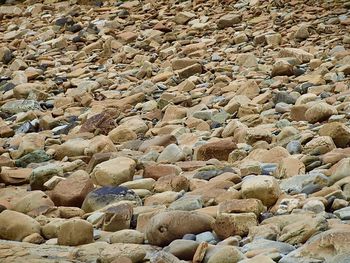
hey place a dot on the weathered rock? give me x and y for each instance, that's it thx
(73, 190)
(264, 188)
(215, 150)
(168, 226)
(16, 226)
(114, 171)
(106, 195)
(75, 232)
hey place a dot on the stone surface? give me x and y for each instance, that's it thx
(75, 232)
(168, 226)
(16, 226)
(114, 172)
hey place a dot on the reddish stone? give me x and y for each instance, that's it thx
(73, 190)
(216, 150)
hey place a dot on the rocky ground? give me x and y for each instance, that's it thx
(175, 131)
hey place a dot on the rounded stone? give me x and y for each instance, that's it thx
(165, 227)
(75, 232)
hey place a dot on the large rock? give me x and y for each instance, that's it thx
(335, 240)
(42, 174)
(319, 112)
(338, 132)
(75, 232)
(264, 188)
(16, 226)
(114, 252)
(165, 227)
(223, 254)
(73, 190)
(106, 195)
(33, 200)
(227, 225)
(215, 150)
(114, 172)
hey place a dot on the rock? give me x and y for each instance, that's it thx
(338, 132)
(171, 154)
(42, 174)
(73, 190)
(219, 150)
(227, 225)
(16, 226)
(37, 156)
(282, 68)
(133, 251)
(122, 134)
(313, 250)
(106, 195)
(101, 123)
(182, 249)
(75, 232)
(264, 188)
(319, 145)
(106, 173)
(304, 229)
(127, 236)
(117, 217)
(31, 201)
(242, 206)
(165, 227)
(228, 20)
(320, 112)
(224, 254)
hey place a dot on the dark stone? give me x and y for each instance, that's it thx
(106, 195)
(294, 147)
(75, 28)
(37, 156)
(211, 173)
(27, 127)
(285, 97)
(311, 188)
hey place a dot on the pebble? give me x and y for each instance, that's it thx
(170, 131)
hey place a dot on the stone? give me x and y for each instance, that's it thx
(228, 20)
(114, 172)
(33, 200)
(320, 112)
(219, 150)
(304, 229)
(73, 190)
(127, 236)
(262, 187)
(313, 250)
(242, 206)
(224, 254)
(106, 195)
(182, 249)
(338, 132)
(171, 154)
(135, 252)
(16, 226)
(229, 224)
(75, 232)
(117, 217)
(42, 174)
(121, 134)
(101, 123)
(165, 227)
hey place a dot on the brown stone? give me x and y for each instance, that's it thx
(215, 150)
